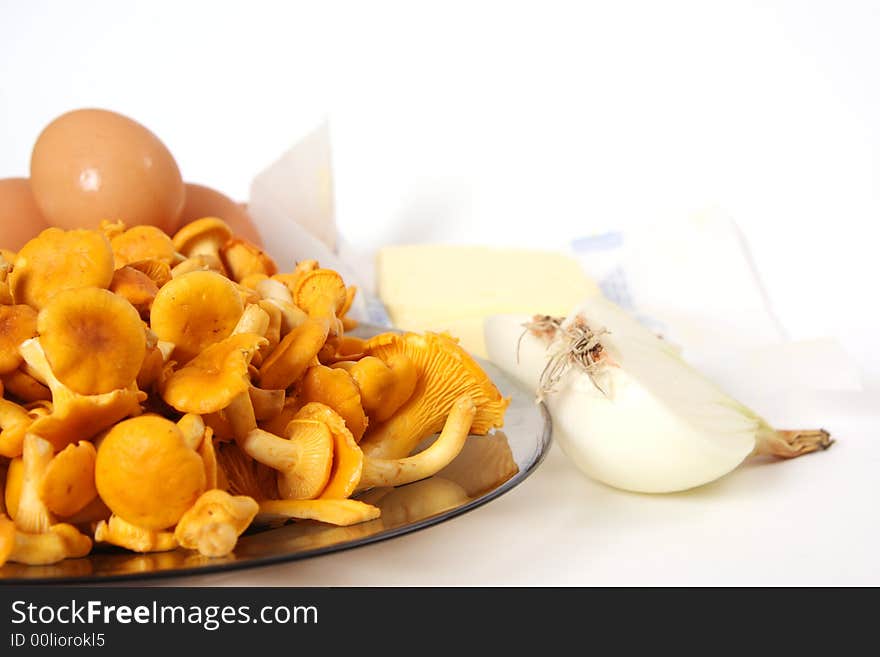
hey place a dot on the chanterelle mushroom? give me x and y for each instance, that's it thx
(253, 320)
(334, 512)
(15, 421)
(117, 531)
(384, 386)
(214, 523)
(294, 354)
(74, 416)
(12, 486)
(61, 541)
(146, 473)
(157, 271)
(93, 339)
(345, 348)
(7, 538)
(336, 389)
(274, 294)
(194, 311)
(445, 373)
(303, 460)
(31, 514)
(58, 260)
(136, 287)
(142, 243)
(322, 294)
(202, 237)
(244, 259)
(23, 387)
(348, 460)
(210, 381)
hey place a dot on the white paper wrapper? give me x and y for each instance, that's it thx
(694, 282)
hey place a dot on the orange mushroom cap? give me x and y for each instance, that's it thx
(336, 389)
(69, 483)
(194, 311)
(384, 386)
(202, 237)
(142, 243)
(294, 354)
(59, 260)
(211, 380)
(24, 387)
(93, 339)
(243, 259)
(14, 423)
(146, 473)
(17, 324)
(136, 287)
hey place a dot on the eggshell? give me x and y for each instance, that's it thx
(90, 164)
(203, 201)
(20, 218)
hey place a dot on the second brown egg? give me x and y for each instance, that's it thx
(20, 218)
(203, 201)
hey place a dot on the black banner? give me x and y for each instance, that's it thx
(387, 620)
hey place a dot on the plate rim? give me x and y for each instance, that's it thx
(262, 562)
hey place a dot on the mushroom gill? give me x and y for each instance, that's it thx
(445, 373)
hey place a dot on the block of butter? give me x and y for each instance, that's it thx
(452, 288)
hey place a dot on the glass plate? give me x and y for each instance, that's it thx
(487, 467)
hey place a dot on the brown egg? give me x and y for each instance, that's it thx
(203, 201)
(20, 218)
(91, 164)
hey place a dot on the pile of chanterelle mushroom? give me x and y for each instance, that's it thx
(169, 391)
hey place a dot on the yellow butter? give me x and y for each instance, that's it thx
(453, 288)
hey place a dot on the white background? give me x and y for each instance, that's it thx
(521, 123)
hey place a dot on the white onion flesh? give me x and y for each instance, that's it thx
(656, 426)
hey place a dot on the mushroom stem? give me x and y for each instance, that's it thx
(240, 415)
(276, 293)
(267, 448)
(396, 472)
(192, 427)
(32, 515)
(266, 403)
(253, 320)
(303, 461)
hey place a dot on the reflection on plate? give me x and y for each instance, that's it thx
(487, 467)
